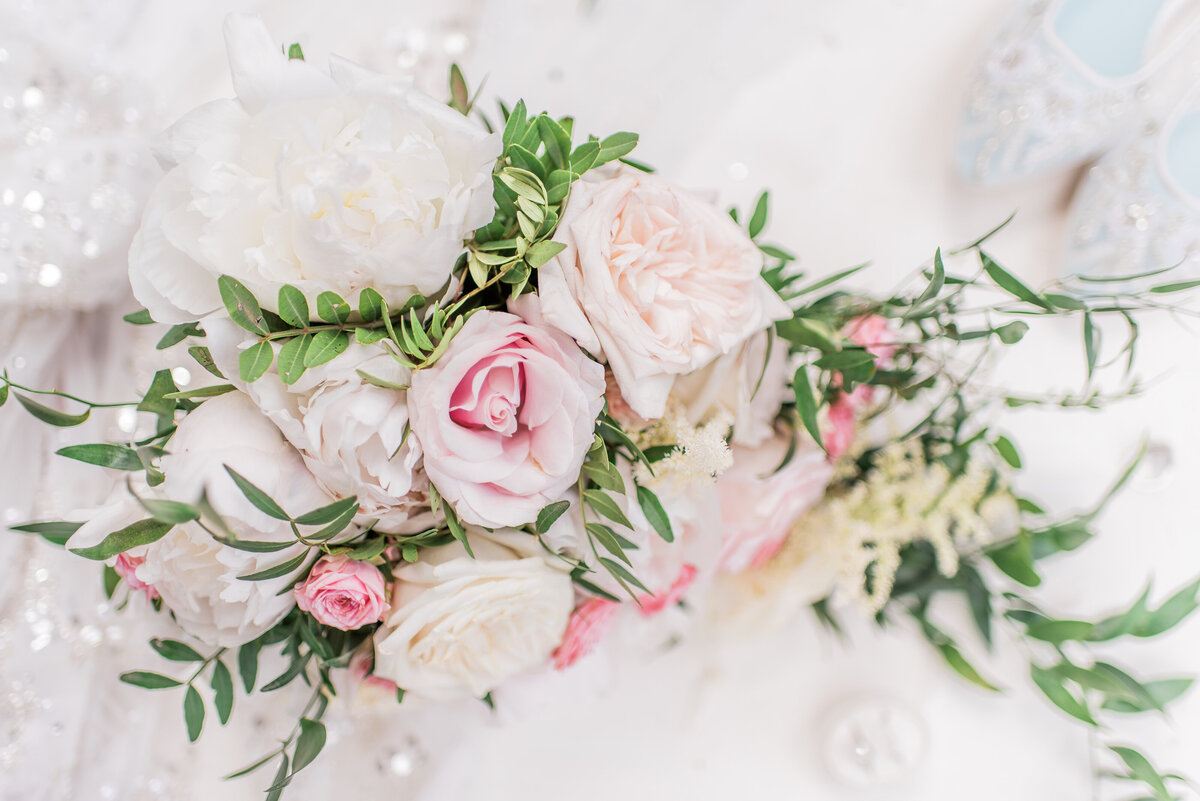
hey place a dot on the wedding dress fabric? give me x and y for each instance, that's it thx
(847, 111)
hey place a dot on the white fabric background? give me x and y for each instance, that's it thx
(846, 111)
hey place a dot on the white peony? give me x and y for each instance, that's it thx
(460, 627)
(196, 576)
(336, 181)
(656, 281)
(353, 435)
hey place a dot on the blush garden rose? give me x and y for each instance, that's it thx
(505, 418)
(656, 281)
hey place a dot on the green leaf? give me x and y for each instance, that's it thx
(615, 146)
(979, 599)
(370, 305)
(291, 358)
(338, 525)
(758, 220)
(175, 651)
(241, 305)
(280, 781)
(3, 394)
(1012, 333)
(177, 333)
(549, 514)
(1119, 625)
(557, 141)
(1010, 283)
(828, 281)
(293, 306)
(142, 532)
(309, 745)
(294, 52)
(281, 569)
(255, 360)
(1066, 302)
(56, 532)
(936, 281)
(1173, 611)
(52, 416)
(1163, 289)
(608, 539)
(460, 97)
(1141, 770)
(584, 157)
(222, 685)
(149, 681)
(1163, 692)
(1008, 452)
(1091, 343)
(173, 512)
(202, 392)
(261, 500)
(332, 308)
(111, 580)
(620, 571)
(1016, 561)
(193, 713)
(541, 252)
(956, 660)
(248, 664)
(806, 404)
(655, 514)
(327, 514)
(1051, 685)
(604, 504)
(456, 529)
(604, 475)
(139, 317)
(326, 346)
(1060, 631)
(117, 457)
(156, 402)
(254, 546)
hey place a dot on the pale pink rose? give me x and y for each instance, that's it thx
(362, 667)
(505, 418)
(590, 621)
(126, 567)
(343, 593)
(760, 506)
(655, 281)
(843, 423)
(873, 332)
(653, 604)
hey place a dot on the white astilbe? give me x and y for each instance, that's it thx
(903, 499)
(700, 454)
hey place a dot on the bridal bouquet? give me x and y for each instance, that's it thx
(481, 393)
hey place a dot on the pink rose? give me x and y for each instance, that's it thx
(505, 418)
(873, 332)
(759, 507)
(843, 423)
(343, 593)
(653, 604)
(590, 621)
(126, 567)
(654, 280)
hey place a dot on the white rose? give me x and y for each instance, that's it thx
(462, 626)
(656, 281)
(196, 576)
(749, 384)
(336, 181)
(667, 569)
(353, 435)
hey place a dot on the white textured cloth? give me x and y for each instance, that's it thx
(846, 110)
